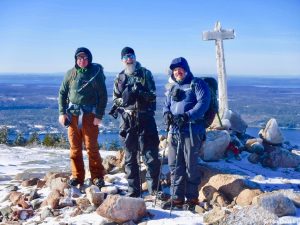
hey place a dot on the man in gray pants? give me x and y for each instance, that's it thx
(186, 103)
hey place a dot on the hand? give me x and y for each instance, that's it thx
(181, 119)
(97, 121)
(62, 119)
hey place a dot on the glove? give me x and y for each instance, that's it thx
(168, 118)
(181, 119)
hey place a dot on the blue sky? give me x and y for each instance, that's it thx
(42, 36)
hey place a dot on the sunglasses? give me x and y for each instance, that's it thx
(129, 56)
(82, 58)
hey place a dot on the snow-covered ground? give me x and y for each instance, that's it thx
(14, 160)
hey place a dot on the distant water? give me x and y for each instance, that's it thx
(293, 136)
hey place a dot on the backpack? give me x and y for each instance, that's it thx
(212, 110)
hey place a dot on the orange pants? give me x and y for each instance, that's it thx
(88, 136)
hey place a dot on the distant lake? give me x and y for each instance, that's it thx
(293, 136)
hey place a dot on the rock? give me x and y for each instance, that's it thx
(28, 175)
(36, 203)
(215, 145)
(280, 157)
(250, 215)
(83, 203)
(5, 211)
(276, 203)
(199, 209)
(30, 182)
(291, 194)
(237, 123)
(64, 202)
(46, 212)
(59, 183)
(11, 188)
(229, 185)
(122, 209)
(76, 212)
(33, 195)
(40, 184)
(22, 214)
(214, 216)
(15, 196)
(271, 133)
(94, 195)
(246, 196)
(255, 146)
(52, 175)
(254, 158)
(112, 190)
(53, 199)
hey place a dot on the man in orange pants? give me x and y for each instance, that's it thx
(82, 102)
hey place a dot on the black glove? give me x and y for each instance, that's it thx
(114, 111)
(168, 118)
(181, 119)
(129, 96)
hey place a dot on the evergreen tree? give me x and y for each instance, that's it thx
(34, 139)
(4, 135)
(20, 140)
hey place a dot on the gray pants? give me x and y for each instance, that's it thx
(187, 177)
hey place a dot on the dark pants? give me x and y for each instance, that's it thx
(139, 134)
(187, 177)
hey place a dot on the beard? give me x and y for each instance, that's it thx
(129, 68)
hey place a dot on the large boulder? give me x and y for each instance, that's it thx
(122, 209)
(229, 185)
(250, 215)
(271, 133)
(215, 145)
(237, 123)
(280, 157)
(276, 203)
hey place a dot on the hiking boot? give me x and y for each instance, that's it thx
(73, 182)
(99, 182)
(176, 204)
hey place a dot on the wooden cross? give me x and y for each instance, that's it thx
(219, 35)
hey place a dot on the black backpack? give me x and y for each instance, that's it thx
(210, 114)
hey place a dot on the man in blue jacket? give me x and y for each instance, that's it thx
(186, 103)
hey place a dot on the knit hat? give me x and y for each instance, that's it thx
(85, 51)
(126, 51)
(180, 62)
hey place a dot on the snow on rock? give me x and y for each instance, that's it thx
(122, 209)
(271, 133)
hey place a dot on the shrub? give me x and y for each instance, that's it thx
(20, 140)
(4, 135)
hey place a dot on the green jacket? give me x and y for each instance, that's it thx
(93, 94)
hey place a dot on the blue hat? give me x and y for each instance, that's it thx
(180, 62)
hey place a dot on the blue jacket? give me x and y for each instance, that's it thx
(195, 102)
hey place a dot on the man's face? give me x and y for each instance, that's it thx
(82, 60)
(179, 73)
(128, 59)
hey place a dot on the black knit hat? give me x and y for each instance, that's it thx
(85, 51)
(127, 50)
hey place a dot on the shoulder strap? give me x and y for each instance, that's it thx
(72, 76)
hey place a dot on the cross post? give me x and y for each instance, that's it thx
(218, 35)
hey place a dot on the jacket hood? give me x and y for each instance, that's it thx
(87, 52)
(180, 62)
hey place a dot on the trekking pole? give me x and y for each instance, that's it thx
(176, 162)
(160, 169)
(139, 152)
